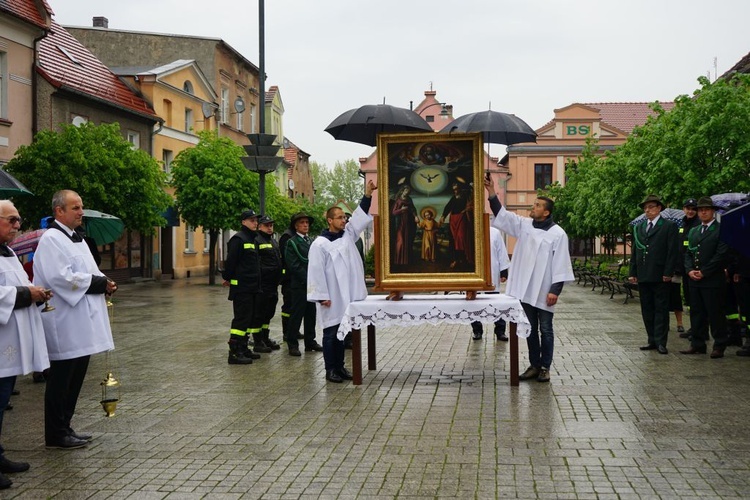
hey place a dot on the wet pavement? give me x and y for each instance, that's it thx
(437, 419)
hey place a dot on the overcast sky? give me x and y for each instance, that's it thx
(527, 57)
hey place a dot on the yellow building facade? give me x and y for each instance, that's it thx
(184, 98)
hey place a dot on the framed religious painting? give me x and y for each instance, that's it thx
(431, 233)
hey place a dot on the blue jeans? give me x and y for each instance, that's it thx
(333, 349)
(540, 349)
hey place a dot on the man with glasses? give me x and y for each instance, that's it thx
(652, 263)
(336, 277)
(21, 330)
(79, 325)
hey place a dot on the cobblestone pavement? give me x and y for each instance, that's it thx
(438, 419)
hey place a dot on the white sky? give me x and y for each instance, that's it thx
(526, 57)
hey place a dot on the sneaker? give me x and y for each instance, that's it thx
(543, 375)
(680, 329)
(531, 372)
(477, 335)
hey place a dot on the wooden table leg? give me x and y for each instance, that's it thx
(513, 355)
(356, 356)
(371, 347)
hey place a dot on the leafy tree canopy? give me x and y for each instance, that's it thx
(101, 166)
(340, 183)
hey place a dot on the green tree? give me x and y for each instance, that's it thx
(212, 187)
(101, 166)
(340, 183)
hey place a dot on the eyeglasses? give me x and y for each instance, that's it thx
(12, 219)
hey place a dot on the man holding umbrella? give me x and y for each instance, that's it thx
(652, 264)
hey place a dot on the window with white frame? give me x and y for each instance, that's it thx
(240, 120)
(3, 85)
(224, 105)
(189, 236)
(134, 138)
(206, 239)
(188, 120)
(166, 160)
(252, 119)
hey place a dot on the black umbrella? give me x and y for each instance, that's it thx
(735, 228)
(362, 124)
(10, 186)
(496, 127)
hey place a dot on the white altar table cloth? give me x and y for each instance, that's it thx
(433, 309)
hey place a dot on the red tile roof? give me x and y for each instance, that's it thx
(65, 63)
(28, 10)
(271, 93)
(626, 115)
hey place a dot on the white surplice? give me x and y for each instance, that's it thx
(22, 345)
(79, 325)
(336, 272)
(499, 260)
(540, 258)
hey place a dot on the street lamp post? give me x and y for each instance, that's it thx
(261, 158)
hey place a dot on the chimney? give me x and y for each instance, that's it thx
(101, 22)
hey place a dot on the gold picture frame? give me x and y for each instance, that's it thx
(432, 233)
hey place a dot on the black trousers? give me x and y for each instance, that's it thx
(302, 310)
(64, 384)
(707, 311)
(655, 311)
(244, 321)
(266, 308)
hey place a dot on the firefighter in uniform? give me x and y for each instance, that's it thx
(270, 276)
(242, 276)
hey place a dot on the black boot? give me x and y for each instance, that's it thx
(260, 346)
(249, 350)
(284, 326)
(268, 341)
(237, 351)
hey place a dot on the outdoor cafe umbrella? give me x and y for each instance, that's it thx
(363, 124)
(496, 127)
(26, 242)
(10, 186)
(735, 228)
(103, 228)
(672, 214)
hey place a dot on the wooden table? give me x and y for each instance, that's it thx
(434, 309)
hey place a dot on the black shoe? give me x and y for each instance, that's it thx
(662, 349)
(314, 347)
(332, 376)
(4, 482)
(685, 335)
(345, 374)
(294, 351)
(82, 437)
(743, 352)
(8, 407)
(649, 347)
(250, 354)
(477, 336)
(502, 337)
(272, 344)
(9, 466)
(694, 350)
(16, 392)
(67, 443)
(235, 358)
(38, 377)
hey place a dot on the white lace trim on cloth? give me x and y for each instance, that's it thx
(433, 309)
